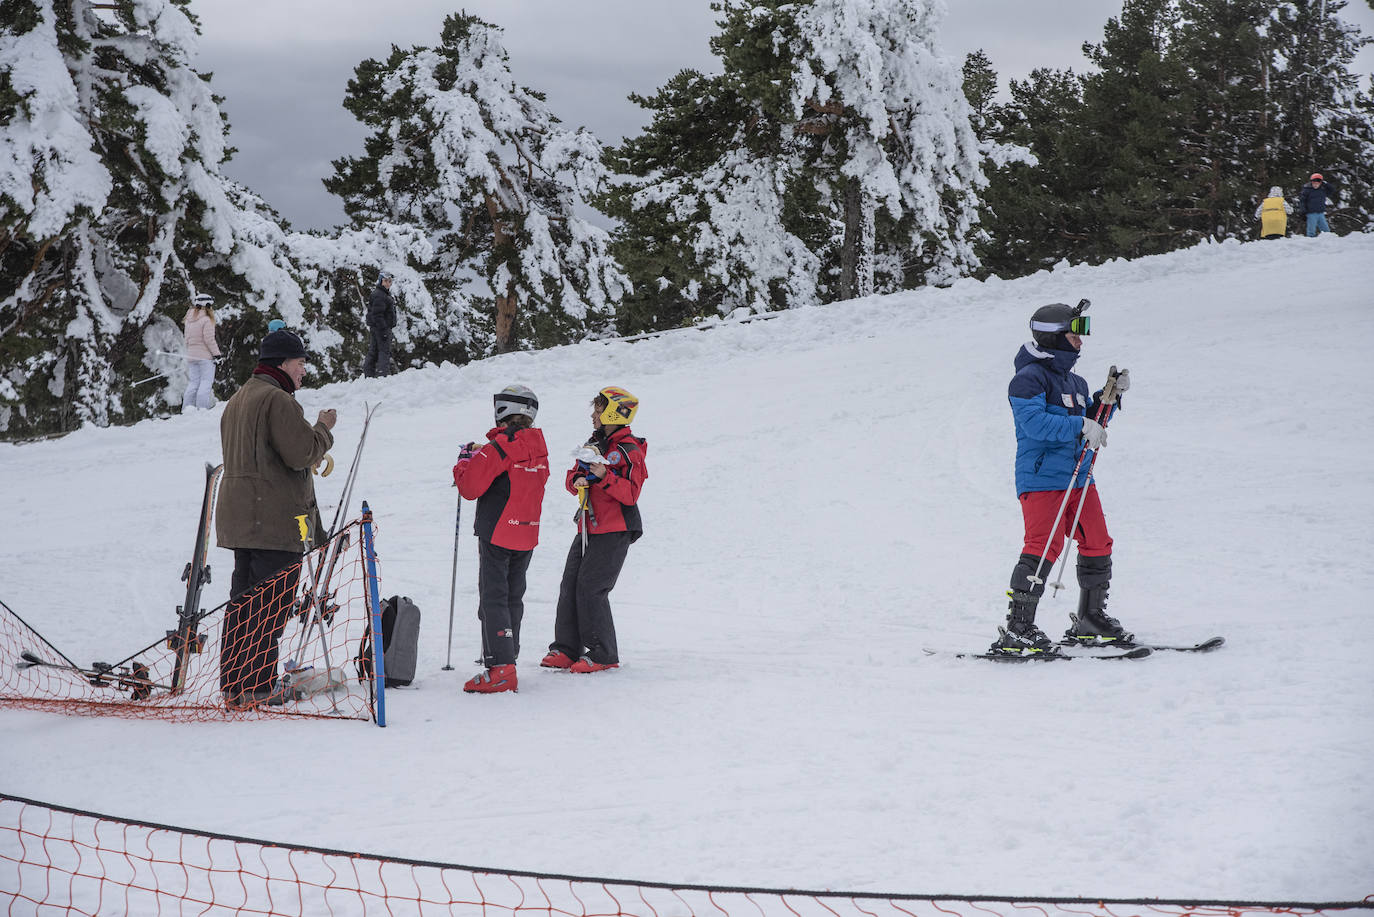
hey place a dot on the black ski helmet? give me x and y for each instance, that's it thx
(1050, 323)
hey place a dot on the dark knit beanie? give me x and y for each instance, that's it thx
(281, 345)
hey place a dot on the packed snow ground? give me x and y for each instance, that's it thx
(830, 491)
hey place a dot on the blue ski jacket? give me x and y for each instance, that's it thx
(1313, 200)
(1048, 402)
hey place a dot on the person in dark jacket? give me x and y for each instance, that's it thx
(1312, 202)
(381, 319)
(506, 477)
(607, 478)
(269, 451)
(1055, 421)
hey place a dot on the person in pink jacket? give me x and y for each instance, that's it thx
(201, 351)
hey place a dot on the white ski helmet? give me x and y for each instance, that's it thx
(515, 399)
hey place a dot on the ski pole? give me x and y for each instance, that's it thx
(182, 356)
(352, 470)
(1108, 397)
(582, 504)
(1078, 514)
(453, 581)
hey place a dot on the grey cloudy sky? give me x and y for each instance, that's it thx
(282, 65)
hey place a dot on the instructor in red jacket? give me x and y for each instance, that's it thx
(584, 631)
(506, 477)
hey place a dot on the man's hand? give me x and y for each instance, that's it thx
(328, 417)
(1123, 380)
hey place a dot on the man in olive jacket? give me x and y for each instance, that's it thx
(269, 451)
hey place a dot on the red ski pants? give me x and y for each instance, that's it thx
(1038, 510)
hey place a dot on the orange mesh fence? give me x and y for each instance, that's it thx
(60, 860)
(293, 638)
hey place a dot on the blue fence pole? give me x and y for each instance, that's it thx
(375, 607)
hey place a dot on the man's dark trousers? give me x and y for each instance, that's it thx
(378, 362)
(256, 617)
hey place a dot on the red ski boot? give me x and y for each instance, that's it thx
(556, 660)
(494, 680)
(587, 664)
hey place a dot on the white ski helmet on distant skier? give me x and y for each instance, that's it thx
(515, 399)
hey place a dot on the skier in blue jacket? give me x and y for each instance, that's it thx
(1055, 419)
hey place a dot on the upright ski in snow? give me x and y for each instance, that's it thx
(186, 639)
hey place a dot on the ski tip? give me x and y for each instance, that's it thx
(1140, 652)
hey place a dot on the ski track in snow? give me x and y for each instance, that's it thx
(829, 492)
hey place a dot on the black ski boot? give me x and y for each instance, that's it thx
(1021, 637)
(1092, 626)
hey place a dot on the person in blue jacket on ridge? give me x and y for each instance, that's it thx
(1312, 203)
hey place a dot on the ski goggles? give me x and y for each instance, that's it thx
(1079, 324)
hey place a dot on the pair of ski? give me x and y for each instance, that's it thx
(1120, 651)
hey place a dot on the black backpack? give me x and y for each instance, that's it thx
(400, 643)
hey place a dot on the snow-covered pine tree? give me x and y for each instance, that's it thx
(711, 220)
(115, 210)
(1011, 211)
(481, 166)
(891, 145)
(832, 158)
(108, 218)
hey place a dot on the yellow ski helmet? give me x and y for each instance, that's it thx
(620, 406)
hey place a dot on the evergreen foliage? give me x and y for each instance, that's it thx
(115, 212)
(833, 157)
(1191, 111)
(837, 153)
(483, 169)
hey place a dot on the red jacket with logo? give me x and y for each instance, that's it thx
(506, 478)
(613, 498)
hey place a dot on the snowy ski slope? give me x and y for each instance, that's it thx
(830, 491)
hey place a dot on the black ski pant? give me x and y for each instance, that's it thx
(263, 591)
(582, 624)
(378, 362)
(501, 600)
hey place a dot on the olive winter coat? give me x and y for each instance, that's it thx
(269, 450)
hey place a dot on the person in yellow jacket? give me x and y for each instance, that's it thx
(1273, 214)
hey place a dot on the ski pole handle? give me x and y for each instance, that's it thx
(305, 531)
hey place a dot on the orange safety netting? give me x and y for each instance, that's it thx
(55, 859)
(293, 637)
